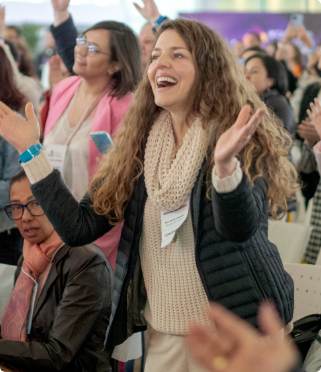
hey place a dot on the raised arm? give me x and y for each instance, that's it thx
(76, 223)
(64, 32)
(236, 209)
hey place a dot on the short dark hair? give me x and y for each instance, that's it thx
(255, 49)
(125, 49)
(275, 70)
(18, 177)
(255, 34)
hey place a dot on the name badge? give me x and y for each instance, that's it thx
(56, 155)
(171, 222)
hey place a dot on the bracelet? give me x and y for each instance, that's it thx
(312, 49)
(30, 153)
(158, 22)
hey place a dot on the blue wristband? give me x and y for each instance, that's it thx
(31, 153)
(312, 49)
(158, 22)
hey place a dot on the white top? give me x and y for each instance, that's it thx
(76, 167)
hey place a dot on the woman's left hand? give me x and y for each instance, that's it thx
(234, 140)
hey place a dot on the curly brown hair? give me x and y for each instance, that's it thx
(219, 92)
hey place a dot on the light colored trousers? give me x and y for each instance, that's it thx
(169, 353)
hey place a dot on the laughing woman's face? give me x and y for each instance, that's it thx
(172, 72)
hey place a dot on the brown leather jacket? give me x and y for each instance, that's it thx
(70, 317)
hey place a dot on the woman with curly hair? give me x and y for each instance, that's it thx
(197, 165)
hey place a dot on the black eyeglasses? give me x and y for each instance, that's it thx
(15, 211)
(91, 47)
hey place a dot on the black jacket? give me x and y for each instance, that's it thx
(70, 318)
(237, 264)
(65, 37)
(282, 108)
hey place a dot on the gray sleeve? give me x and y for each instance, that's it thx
(10, 166)
(307, 162)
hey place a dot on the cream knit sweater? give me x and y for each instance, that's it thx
(174, 288)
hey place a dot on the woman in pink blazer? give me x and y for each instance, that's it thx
(108, 67)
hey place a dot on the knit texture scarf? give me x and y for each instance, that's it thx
(36, 259)
(169, 180)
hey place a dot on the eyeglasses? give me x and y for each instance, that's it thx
(15, 211)
(91, 47)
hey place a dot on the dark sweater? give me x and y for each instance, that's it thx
(237, 264)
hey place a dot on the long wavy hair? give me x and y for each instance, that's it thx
(219, 92)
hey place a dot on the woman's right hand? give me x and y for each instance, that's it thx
(19, 133)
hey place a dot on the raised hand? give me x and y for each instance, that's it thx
(235, 346)
(61, 11)
(149, 11)
(56, 73)
(307, 131)
(291, 32)
(234, 140)
(303, 36)
(60, 5)
(19, 133)
(315, 116)
(2, 20)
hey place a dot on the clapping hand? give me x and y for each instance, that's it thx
(315, 116)
(307, 131)
(19, 133)
(234, 140)
(235, 346)
(149, 11)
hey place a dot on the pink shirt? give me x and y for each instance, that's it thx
(109, 114)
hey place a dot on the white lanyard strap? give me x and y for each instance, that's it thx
(85, 116)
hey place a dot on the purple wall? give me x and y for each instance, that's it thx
(235, 25)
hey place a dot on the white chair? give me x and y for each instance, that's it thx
(6, 285)
(307, 289)
(290, 238)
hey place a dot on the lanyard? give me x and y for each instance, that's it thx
(85, 116)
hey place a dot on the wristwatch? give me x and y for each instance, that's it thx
(30, 153)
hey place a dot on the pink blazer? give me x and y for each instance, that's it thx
(110, 112)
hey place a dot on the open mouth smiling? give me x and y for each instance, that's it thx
(164, 82)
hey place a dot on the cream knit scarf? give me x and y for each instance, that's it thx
(169, 181)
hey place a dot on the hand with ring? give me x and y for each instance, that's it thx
(235, 346)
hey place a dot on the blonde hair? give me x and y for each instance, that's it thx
(219, 92)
